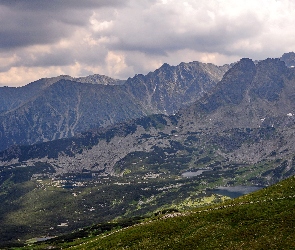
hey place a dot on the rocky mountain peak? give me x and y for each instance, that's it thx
(242, 67)
(165, 66)
(237, 80)
(272, 65)
(169, 88)
(289, 59)
(99, 79)
(268, 81)
(232, 88)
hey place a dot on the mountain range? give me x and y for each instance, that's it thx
(60, 107)
(247, 117)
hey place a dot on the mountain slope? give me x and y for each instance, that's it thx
(64, 109)
(250, 92)
(264, 101)
(11, 97)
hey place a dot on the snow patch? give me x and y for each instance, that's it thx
(64, 224)
(289, 114)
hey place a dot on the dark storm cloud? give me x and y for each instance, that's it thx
(59, 5)
(29, 22)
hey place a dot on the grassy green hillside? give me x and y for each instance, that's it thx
(261, 220)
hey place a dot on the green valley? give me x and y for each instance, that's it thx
(260, 220)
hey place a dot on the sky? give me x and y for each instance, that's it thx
(121, 38)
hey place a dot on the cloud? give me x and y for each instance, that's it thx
(31, 22)
(122, 38)
(57, 4)
(226, 27)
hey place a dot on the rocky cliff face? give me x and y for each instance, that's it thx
(169, 88)
(60, 107)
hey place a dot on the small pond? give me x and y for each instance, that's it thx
(193, 173)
